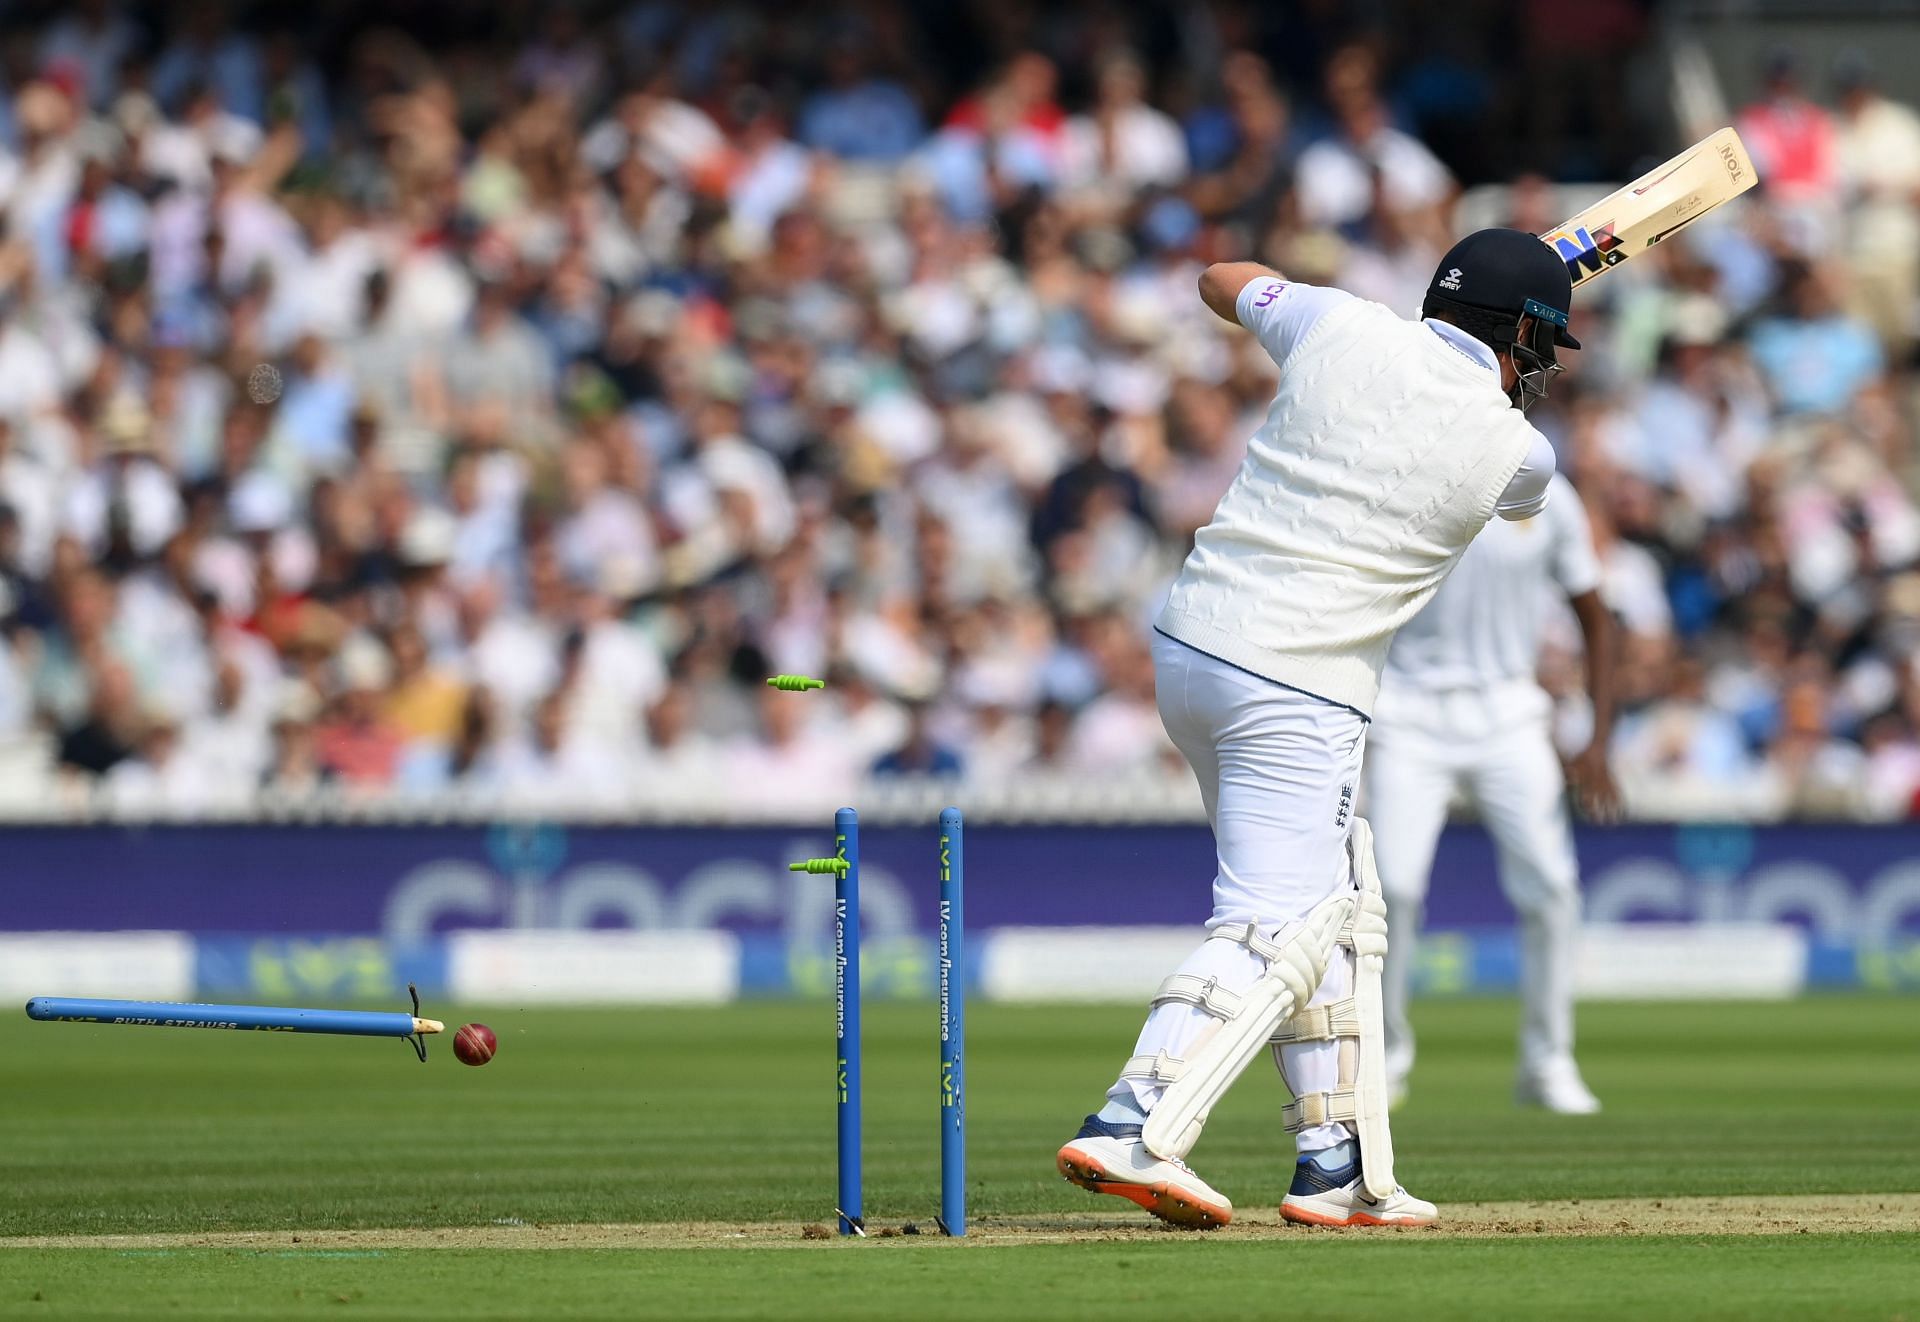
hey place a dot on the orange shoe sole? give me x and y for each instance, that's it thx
(1306, 1216)
(1172, 1205)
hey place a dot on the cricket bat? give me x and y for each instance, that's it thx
(1625, 224)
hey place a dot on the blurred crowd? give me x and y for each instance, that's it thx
(486, 398)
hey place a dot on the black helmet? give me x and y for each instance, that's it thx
(1493, 281)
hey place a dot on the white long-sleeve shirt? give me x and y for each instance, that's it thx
(1387, 447)
(1483, 628)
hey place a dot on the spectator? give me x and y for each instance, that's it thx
(499, 374)
(1249, 181)
(296, 767)
(859, 115)
(1123, 141)
(1053, 726)
(1893, 766)
(1338, 176)
(1120, 730)
(111, 727)
(1811, 770)
(91, 40)
(1813, 357)
(207, 51)
(426, 704)
(1878, 144)
(1791, 139)
(1877, 138)
(920, 754)
(1680, 748)
(357, 743)
(154, 780)
(544, 767)
(677, 758)
(228, 748)
(619, 673)
(771, 174)
(312, 422)
(790, 765)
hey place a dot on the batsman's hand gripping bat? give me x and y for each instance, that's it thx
(1626, 223)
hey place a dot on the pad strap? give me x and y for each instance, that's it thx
(1250, 936)
(1320, 1023)
(1204, 993)
(1319, 1108)
(1158, 1068)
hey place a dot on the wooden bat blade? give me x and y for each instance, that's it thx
(1666, 199)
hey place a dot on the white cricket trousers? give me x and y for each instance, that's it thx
(1279, 771)
(1496, 746)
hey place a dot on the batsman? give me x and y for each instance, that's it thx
(1389, 444)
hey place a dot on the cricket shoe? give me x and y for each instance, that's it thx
(1106, 1157)
(1328, 1191)
(1557, 1087)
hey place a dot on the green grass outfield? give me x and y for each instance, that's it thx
(664, 1163)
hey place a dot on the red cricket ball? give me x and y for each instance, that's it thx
(475, 1044)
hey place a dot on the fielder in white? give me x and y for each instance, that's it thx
(1460, 711)
(1387, 447)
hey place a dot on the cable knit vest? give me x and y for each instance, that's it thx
(1383, 453)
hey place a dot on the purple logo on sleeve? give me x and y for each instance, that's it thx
(1271, 292)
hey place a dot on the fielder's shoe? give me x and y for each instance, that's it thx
(1327, 1191)
(1556, 1086)
(1110, 1158)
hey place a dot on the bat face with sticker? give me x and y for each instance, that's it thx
(1667, 199)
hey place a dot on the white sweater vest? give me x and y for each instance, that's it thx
(1383, 453)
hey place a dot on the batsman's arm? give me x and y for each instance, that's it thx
(1277, 310)
(1593, 785)
(1221, 283)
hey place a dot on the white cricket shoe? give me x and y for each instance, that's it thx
(1557, 1087)
(1110, 1158)
(1328, 1191)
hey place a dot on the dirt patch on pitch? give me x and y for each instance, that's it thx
(1815, 1213)
(1732, 1215)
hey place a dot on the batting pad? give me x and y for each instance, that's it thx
(1368, 937)
(1369, 940)
(1295, 964)
(1358, 1024)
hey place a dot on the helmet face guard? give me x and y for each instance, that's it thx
(1532, 348)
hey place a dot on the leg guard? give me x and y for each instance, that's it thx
(1295, 964)
(1358, 1023)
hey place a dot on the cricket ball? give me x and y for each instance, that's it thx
(475, 1044)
